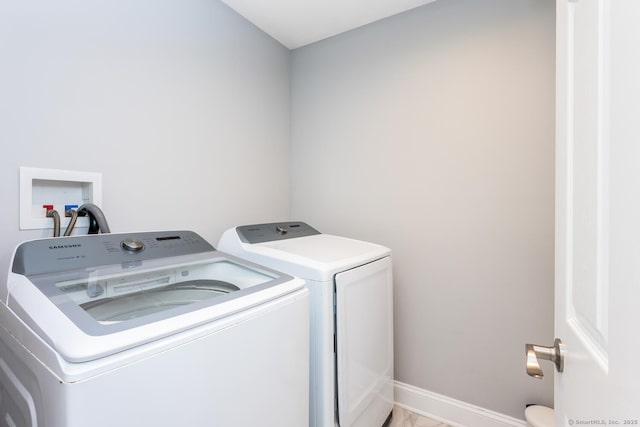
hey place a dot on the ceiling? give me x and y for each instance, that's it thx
(296, 23)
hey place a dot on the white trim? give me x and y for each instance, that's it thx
(450, 411)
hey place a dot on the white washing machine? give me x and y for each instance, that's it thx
(351, 376)
(150, 329)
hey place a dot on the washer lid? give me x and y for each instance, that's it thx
(93, 311)
(155, 300)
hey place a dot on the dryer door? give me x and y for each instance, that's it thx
(364, 340)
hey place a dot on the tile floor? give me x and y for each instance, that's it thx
(405, 418)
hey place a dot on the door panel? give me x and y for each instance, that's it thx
(587, 252)
(364, 338)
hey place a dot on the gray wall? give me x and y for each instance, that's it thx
(432, 132)
(183, 106)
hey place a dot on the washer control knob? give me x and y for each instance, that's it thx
(132, 244)
(281, 230)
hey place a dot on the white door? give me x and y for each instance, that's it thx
(597, 305)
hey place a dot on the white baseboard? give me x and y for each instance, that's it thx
(448, 410)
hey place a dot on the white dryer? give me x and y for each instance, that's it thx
(149, 329)
(351, 376)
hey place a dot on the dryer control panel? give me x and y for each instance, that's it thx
(260, 233)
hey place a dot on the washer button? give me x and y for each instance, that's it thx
(132, 244)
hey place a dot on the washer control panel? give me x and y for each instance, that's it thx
(78, 252)
(259, 233)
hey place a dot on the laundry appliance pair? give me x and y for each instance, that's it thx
(162, 329)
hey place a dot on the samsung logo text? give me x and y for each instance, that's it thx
(75, 245)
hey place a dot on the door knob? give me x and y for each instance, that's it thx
(534, 352)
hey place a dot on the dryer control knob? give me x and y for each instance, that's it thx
(281, 230)
(132, 245)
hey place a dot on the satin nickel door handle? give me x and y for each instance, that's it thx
(554, 354)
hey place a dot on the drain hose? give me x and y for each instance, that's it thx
(97, 220)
